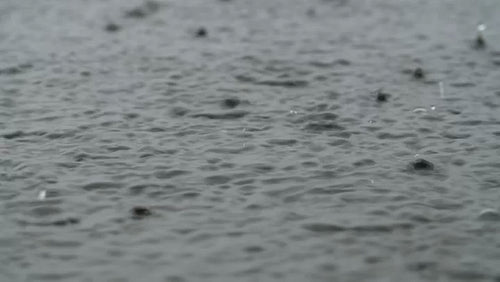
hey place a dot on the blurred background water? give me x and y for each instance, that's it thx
(247, 140)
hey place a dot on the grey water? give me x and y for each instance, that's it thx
(249, 140)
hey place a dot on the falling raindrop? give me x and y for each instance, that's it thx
(441, 90)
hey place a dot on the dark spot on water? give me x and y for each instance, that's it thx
(222, 116)
(285, 83)
(13, 70)
(231, 103)
(139, 212)
(382, 97)
(421, 266)
(143, 10)
(364, 162)
(455, 112)
(373, 259)
(65, 222)
(217, 180)
(324, 228)
(85, 73)
(162, 174)
(15, 134)
(458, 162)
(322, 117)
(323, 126)
(112, 27)
(388, 135)
(453, 135)
(311, 12)
(118, 148)
(421, 164)
(201, 32)
(178, 111)
(254, 249)
(100, 186)
(282, 142)
(138, 12)
(418, 73)
(244, 78)
(131, 115)
(462, 84)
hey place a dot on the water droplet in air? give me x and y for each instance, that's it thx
(42, 195)
(481, 27)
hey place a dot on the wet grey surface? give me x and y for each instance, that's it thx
(259, 146)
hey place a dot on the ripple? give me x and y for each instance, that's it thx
(101, 186)
(170, 173)
(380, 228)
(284, 83)
(222, 116)
(14, 70)
(217, 179)
(323, 126)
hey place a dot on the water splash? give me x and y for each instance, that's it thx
(42, 195)
(420, 110)
(480, 28)
(480, 42)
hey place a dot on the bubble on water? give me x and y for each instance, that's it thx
(417, 155)
(42, 195)
(372, 181)
(371, 121)
(433, 107)
(292, 112)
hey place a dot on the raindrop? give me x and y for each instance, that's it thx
(441, 90)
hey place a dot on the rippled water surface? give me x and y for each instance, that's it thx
(249, 140)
